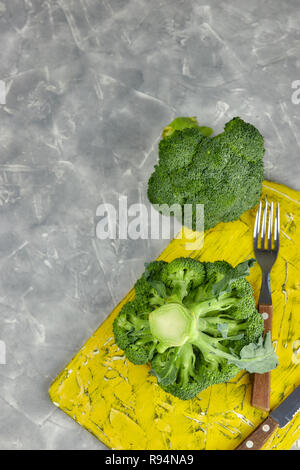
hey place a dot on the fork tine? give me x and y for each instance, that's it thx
(263, 227)
(277, 227)
(270, 227)
(257, 225)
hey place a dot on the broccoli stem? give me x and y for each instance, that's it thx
(156, 300)
(211, 348)
(202, 308)
(216, 324)
(171, 325)
(186, 363)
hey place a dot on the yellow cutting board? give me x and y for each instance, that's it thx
(121, 403)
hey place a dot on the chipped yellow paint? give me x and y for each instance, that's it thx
(122, 405)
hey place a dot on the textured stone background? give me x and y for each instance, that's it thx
(90, 84)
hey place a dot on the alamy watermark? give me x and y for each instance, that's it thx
(2, 92)
(2, 353)
(138, 221)
(296, 94)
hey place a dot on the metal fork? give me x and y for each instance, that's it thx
(266, 247)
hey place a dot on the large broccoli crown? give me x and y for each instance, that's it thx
(224, 173)
(196, 323)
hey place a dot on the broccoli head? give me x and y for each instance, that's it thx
(224, 172)
(196, 323)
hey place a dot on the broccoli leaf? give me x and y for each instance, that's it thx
(258, 357)
(205, 131)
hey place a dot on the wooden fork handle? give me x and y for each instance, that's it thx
(259, 437)
(261, 385)
(267, 313)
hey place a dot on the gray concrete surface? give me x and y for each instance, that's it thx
(89, 86)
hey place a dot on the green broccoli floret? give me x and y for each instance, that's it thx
(146, 287)
(177, 372)
(187, 270)
(224, 172)
(184, 373)
(196, 323)
(132, 332)
(181, 274)
(244, 139)
(141, 351)
(182, 151)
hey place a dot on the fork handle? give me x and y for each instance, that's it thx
(261, 385)
(267, 314)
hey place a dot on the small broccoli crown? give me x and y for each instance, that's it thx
(187, 392)
(196, 323)
(123, 324)
(145, 287)
(142, 287)
(121, 335)
(131, 320)
(214, 273)
(217, 270)
(140, 353)
(176, 373)
(153, 269)
(224, 172)
(242, 307)
(212, 375)
(242, 287)
(254, 328)
(184, 269)
(181, 275)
